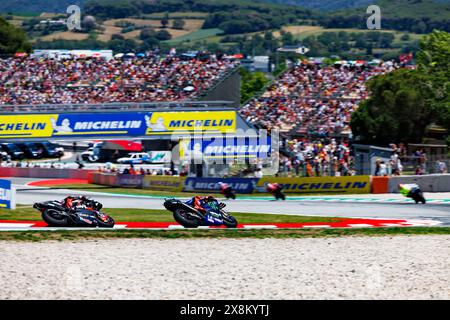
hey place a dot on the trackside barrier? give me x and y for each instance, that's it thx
(164, 183)
(428, 183)
(105, 179)
(380, 185)
(45, 173)
(130, 180)
(7, 195)
(240, 185)
(351, 184)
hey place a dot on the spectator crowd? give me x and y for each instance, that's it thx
(324, 157)
(153, 77)
(313, 99)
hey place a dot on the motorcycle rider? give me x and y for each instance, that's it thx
(406, 189)
(226, 190)
(76, 202)
(272, 187)
(275, 189)
(202, 204)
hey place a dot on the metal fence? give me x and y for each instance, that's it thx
(116, 107)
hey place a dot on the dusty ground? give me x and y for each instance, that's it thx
(416, 267)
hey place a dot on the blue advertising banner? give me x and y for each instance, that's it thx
(240, 185)
(7, 200)
(231, 147)
(130, 180)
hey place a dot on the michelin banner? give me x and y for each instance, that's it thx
(352, 184)
(232, 147)
(165, 183)
(7, 195)
(239, 185)
(115, 124)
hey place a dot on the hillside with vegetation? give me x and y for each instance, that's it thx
(418, 16)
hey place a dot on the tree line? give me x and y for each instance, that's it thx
(403, 103)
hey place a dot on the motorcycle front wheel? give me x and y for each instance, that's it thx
(109, 223)
(54, 218)
(183, 218)
(230, 222)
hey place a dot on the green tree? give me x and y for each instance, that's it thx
(252, 82)
(404, 102)
(12, 39)
(434, 64)
(178, 24)
(163, 35)
(396, 110)
(165, 20)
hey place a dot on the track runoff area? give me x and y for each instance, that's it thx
(350, 211)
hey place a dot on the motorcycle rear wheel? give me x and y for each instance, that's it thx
(54, 219)
(181, 216)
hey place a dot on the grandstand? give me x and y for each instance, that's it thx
(311, 100)
(150, 78)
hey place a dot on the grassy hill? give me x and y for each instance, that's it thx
(37, 6)
(419, 16)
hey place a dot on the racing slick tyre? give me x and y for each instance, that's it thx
(181, 216)
(422, 199)
(230, 222)
(280, 195)
(54, 219)
(109, 223)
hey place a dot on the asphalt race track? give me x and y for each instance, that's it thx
(356, 209)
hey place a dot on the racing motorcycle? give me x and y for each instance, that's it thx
(55, 214)
(276, 190)
(189, 217)
(227, 191)
(412, 191)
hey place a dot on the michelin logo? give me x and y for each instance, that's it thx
(66, 127)
(325, 186)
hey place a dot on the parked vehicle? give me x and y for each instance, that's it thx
(88, 155)
(31, 150)
(51, 150)
(135, 158)
(13, 151)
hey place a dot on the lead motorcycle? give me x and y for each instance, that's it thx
(55, 214)
(189, 217)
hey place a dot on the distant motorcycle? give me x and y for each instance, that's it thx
(227, 191)
(276, 190)
(55, 214)
(189, 217)
(412, 191)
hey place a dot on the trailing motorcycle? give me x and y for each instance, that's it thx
(55, 214)
(189, 217)
(412, 191)
(276, 190)
(227, 191)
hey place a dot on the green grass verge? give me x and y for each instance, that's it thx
(153, 215)
(217, 233)
(196, 35)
